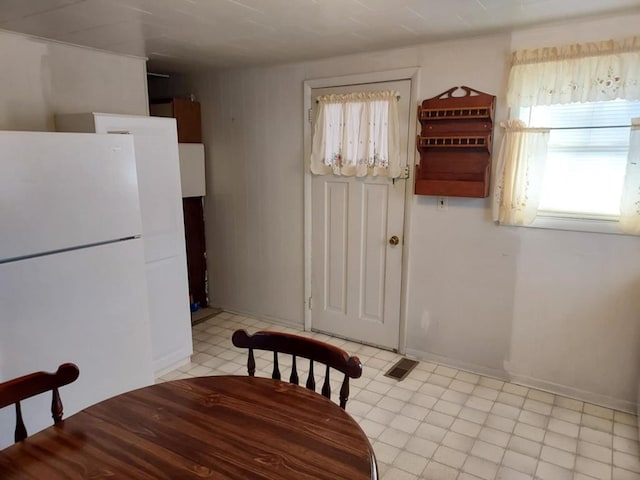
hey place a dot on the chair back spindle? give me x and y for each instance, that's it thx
(311, 379)
(326, 387)
(294, 372)
(276, 371)
(20, 431)
(251, 363)
(344, 392)
(298, 346)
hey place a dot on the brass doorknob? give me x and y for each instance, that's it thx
(394, 240)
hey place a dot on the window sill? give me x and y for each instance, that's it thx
(553, 222)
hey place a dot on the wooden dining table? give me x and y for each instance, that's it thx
(218, 427)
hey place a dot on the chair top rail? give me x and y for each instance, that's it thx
(300, 347)
(27, 386)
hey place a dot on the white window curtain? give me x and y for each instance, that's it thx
(590, 72)
(630, 204)
(519, 173)
(357, 134)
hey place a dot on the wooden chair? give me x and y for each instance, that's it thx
(21, 388)
(297, 346)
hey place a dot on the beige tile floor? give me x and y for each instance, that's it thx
(441, 423)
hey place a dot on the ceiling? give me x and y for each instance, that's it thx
(188, 35)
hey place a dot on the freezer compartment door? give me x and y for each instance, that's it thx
(156, 150)
(86, 306)
(63, 190)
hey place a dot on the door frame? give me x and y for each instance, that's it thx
(412, 74)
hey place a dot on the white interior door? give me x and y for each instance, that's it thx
(356, 271)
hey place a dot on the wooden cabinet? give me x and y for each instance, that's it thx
(192, 208)
(455, 144)
(187, 115)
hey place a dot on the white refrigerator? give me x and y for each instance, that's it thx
(72, 277)
(155, 142)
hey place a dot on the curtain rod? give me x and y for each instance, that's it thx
(593, 127)
(398, 97)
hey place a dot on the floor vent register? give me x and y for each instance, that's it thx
(401, 369)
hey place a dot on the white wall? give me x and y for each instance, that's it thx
(550, 308)
(39, 78)
(252, 128)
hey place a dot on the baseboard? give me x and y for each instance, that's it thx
(571, 392)
(508, 375)
(266, 318)
(171, 362)
(203, 314)
(461, 365)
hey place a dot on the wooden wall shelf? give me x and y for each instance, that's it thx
(455, 144)
(455, 141)
(187, 115)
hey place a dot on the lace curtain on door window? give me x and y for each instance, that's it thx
(357, 134)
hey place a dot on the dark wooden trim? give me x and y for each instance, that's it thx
(195, 243)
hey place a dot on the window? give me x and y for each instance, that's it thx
(571, 151)
(357, 134)
(586, 156)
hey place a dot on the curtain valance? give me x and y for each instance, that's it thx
(588, 72)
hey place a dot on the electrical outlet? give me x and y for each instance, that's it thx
(443, 203)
